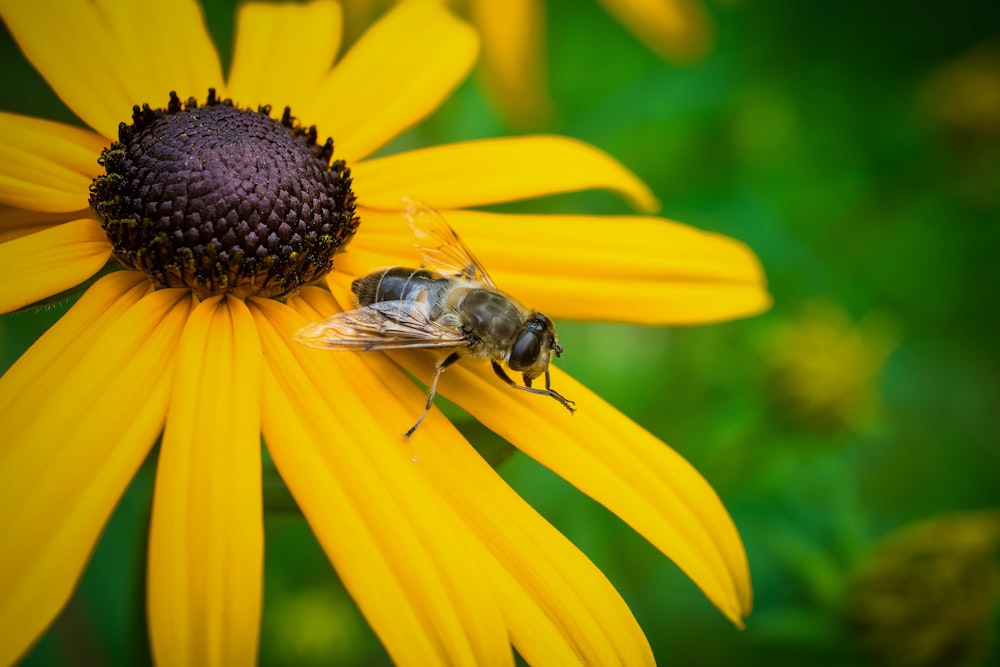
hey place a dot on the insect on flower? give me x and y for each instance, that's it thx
(452, 304)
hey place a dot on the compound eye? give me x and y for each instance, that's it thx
(525, 352)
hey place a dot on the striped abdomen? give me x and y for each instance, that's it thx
(399, 284)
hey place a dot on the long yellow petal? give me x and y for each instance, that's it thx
(673, 303)
(559, 608)
(206, 543)
(39, 265)
(611, 268)
(678, 30)
(121, 67)
(618, 464)
(491, 171)
(17, 222)
(395, 545)
(282, 52)
(46, 166)
(400, 71)
(513, 62)
(81, 410)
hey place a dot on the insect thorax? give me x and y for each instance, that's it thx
(493, 317)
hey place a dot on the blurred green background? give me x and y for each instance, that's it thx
(855, 146)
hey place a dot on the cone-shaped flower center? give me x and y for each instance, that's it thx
(221, 199)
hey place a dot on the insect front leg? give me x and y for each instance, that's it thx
(432, 390)
(548, 381)
(565, 402)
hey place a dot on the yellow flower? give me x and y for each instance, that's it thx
(963, 95)
(194, 341)
(513, 36)
(824, 368)
(928, 593)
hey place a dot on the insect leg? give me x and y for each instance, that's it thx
(548, 380)
(448, 361)
(565, 402)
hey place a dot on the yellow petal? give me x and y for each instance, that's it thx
(614, 268)
(39, 265)
(282, 52)
(559, 608)
(104, 296)
(53, 41)
(491, 171)
(513, 63)
(333, 435)
(18, 222)
(121, 68)
(618, 464)
(81, 410)
(400, 71)
(359, 261)
(46, 166)
(206, 543)
(192, 66)
(676, 29)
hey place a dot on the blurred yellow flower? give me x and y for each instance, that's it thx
(513, 42)
(823, 368)
(222, 215)
(927, 594)
(964, 95)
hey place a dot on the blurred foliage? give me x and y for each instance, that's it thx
(856, 147)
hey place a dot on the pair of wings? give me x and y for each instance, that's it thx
(388, 325)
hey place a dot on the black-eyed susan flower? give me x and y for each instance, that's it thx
(231, 217)
(513, 41)
(823, 369)
(928, 593)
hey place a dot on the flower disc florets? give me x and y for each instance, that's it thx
(223, 200)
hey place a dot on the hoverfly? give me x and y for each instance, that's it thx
(452, 304)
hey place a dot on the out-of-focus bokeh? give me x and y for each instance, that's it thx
(853, 431)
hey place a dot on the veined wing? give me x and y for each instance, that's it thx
(384, 325)
(440, 247)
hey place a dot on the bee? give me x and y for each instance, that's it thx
(451, 304)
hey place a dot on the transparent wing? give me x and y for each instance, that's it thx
(386, 325)
(440, 247)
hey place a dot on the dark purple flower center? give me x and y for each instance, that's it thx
(223, 200)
